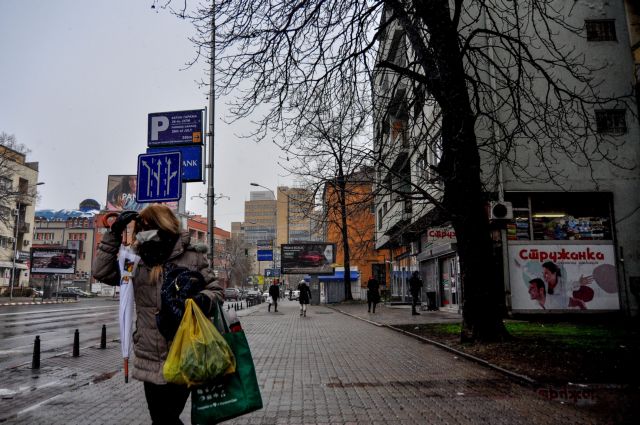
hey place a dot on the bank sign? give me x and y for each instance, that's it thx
(175, 128)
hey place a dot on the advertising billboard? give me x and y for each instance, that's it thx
(563, 277)
(308, 258)
(53, 260)
(121, 194)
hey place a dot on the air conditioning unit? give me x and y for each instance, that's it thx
(500, 210)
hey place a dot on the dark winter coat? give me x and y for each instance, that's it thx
(373, 293)
(415, 285)
(305, 293)
(150, 347)
(274, 291)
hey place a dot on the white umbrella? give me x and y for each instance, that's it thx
(128, 261)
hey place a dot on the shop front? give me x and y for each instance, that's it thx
(561, 253)
(440, 269)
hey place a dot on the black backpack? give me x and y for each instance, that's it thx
(179, 283)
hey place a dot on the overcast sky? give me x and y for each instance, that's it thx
(77, 81)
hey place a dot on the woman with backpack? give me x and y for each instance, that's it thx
(162, 247)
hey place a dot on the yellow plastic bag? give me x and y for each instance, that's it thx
(198, 352)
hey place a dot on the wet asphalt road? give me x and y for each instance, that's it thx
(56, 325)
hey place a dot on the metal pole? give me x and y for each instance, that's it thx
(15, 251)
(212, 106)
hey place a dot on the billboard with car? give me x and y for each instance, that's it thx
(53, 260)
(308, 258)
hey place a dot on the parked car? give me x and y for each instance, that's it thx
(81, 293)
(231, 294)
(295, 294)
(265, 295)
(65, 293)
(253, 295)
(36, 292)
(312, 258)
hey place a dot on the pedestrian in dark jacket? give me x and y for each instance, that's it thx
(373, 294)
(415, 286)
(304, 297)
(274, 293)
(161, 246)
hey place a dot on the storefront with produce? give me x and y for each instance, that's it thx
(561, 252)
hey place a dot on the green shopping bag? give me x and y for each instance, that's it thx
(231, 395)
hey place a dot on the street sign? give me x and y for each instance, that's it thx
(175, 128)
(264, 243)
(191, 161)
(265, 255)
(272, 272)
(159, 177)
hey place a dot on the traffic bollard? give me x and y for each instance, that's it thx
(103, 337)
(35, 362)
(76, 344)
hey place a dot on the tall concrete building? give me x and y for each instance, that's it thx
(556, 207)
(18, 181)
(260, 217)
(296, 219)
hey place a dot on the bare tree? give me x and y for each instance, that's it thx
(492, 85)
(237, 264)
(325, 150)
(10, 194)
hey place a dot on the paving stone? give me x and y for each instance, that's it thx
(326, 368)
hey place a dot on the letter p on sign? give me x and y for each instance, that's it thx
(158, 124)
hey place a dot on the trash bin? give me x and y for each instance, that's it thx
(431, 299)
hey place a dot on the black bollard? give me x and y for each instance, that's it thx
(103, 337)
(35, 362)
(76, 344)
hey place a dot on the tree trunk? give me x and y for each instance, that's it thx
(483, 294)
(348, 296)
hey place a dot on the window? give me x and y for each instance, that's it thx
(560, 216)
(5, 184)
(380, 219)
(601, 30)
(611, 121)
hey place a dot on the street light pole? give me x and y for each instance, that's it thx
(212, 107)
(15, 251)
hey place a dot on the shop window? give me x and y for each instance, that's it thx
(560, 216)
(611, 121)
(601, 30)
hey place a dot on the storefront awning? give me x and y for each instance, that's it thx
(437, 251)
(339, 275)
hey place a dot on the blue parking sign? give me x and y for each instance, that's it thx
(159, 177)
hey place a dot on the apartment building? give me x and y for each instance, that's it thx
(583, 224)
(18, 183)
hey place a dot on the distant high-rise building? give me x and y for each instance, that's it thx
(260, 217)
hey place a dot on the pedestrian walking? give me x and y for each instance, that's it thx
(161, 246)
(415, 285)
(274, 293)
(373, 294)
(304, 297)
